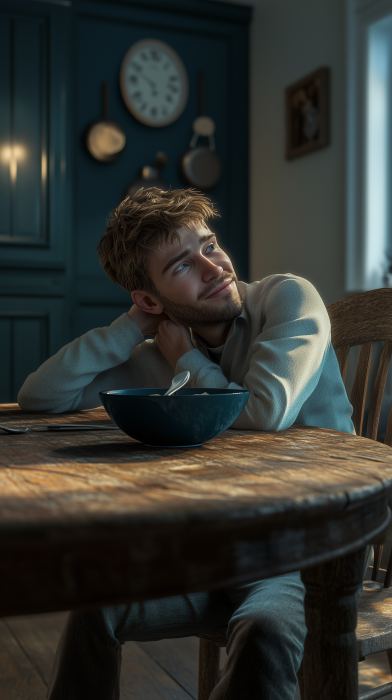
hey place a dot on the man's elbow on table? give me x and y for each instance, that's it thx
(269, 415)
(31, 400)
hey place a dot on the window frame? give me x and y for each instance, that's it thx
(360, 15)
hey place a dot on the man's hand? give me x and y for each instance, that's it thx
(174, 340)
(148, 323)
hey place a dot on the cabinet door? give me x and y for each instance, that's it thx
(30, 331)
(33, 88)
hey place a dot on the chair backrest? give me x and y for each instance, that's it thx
(363, 319)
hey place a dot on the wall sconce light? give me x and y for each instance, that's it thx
(11, 155)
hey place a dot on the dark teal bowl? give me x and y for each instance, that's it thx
(183, 420)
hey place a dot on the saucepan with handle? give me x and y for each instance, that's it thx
(200, 166)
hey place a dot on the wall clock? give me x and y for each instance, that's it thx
(154, 82)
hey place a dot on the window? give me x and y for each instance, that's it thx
(369, 144)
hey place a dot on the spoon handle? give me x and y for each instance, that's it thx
(178, 382)
(58, 427)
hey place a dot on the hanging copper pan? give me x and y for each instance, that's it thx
(105, 139)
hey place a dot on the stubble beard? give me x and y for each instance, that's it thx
(201, 315)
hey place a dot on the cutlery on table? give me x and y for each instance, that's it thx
(58, 426)
(178, 382)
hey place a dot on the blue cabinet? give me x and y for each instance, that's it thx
(54, 197)
(31, 330)
(24, 121)
(33, 126)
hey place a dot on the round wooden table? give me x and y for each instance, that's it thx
(92, 518)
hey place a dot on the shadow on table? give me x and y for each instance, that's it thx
(118, 452)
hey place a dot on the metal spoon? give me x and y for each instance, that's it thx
(58, 426)
(178, 382)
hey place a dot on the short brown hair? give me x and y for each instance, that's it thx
(139, 223)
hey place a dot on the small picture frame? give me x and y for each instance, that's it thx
(307, 114)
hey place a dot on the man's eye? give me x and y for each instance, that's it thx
(212, 245)
(180, 267)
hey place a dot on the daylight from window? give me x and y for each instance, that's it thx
(378, 153)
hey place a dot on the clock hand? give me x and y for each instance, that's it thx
(150, 82)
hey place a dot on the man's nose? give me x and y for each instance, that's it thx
(211, 271)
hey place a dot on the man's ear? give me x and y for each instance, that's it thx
(146, 302)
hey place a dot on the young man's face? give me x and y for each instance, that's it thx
(195, 279)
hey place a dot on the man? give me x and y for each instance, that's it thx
(271, 337)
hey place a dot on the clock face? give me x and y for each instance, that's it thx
(153, 82)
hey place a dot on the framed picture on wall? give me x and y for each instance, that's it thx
(307, 114)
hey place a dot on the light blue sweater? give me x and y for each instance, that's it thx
(279, 348)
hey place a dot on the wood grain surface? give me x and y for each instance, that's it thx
(362, 318)
(18, 677)
(166, 669)
(95, 517)
(330, 663)
(374, 628)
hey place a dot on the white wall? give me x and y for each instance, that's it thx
(297, 207)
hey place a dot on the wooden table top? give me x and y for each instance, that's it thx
(99, 517)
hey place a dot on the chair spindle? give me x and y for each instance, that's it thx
(342, 355)
(377, 560)
(388, 433)
(378, 391)
(358, 394)
(388, 575)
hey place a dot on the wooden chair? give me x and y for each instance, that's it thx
(362, 319)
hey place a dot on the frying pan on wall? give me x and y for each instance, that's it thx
(105, 139)
(200, 166)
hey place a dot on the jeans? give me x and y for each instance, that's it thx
(265, 639)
